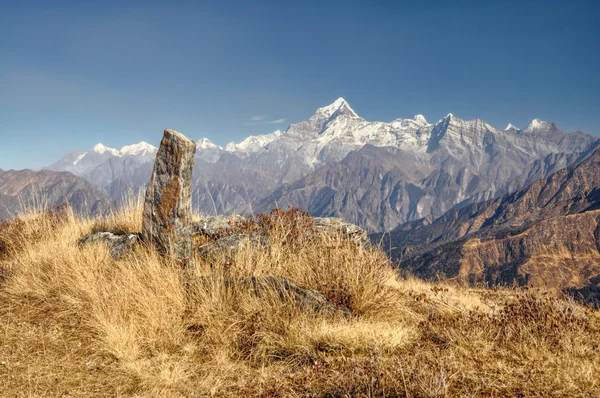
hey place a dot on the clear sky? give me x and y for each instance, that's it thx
(118, 72)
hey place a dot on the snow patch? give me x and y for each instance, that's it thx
(79, 158)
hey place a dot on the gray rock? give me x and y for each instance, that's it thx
(338, 226)
(216, 226)
(119, 244)
(306, 299)
(167, 214)
(228, 246)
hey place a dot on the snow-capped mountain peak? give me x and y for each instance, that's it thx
(537, 125)
(420, 120)
(338, 106)
(231, 147)
(143, 148)
(255, 142)
(511, 127)
(445, 120)
(205, 143)
(101, 149)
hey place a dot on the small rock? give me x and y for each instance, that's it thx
(230, 245)
(119, 244)
(216, 226)
(338, 226)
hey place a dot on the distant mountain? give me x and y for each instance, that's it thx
(336, 163)
(547, 234)
(25, 189)
(373, 186)
(103, 166)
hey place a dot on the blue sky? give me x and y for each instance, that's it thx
(76, 73)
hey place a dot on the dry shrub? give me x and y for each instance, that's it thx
(292, 227)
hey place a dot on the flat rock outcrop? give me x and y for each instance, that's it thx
(221, 226)
(119, 244)
(167, 214)
(228, 246)
(216, 226)
(347, 230)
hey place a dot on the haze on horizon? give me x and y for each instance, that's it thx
(75, 74)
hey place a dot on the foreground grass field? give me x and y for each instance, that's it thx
(74, 322)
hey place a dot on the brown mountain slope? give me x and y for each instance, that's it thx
(24, 189)
(547, 234)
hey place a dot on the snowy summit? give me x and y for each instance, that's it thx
(101, 149)
(538, 125)
(205, 143)
(338, 105)
(143, 148)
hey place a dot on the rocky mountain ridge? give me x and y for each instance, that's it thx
(29, 189)
(547, 234)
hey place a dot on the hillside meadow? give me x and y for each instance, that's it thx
(75, 322)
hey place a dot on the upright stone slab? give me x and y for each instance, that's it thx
(167, 218)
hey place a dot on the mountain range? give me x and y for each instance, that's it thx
(375, 174)
(30, 190)
(454, 199)
(547, 234)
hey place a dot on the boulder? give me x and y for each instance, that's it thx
(216, 226)
(119, 244)
(167, 216)
(338, 226)
(228, 246)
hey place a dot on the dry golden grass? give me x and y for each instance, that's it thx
(75, 322)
